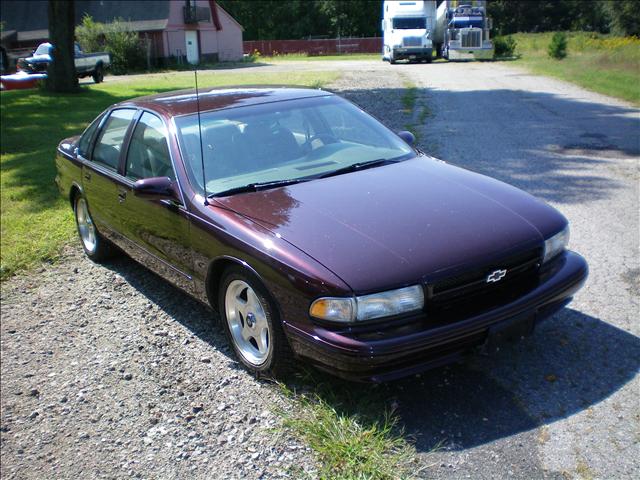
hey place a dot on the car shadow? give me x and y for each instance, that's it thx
(573, 361)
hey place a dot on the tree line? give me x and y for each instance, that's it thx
(295, 19)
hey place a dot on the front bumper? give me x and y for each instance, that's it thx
(409, 350)
(411, 53)
(471, 53)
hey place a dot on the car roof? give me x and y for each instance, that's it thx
(185, 102)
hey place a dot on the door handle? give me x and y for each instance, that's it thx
(87, 176)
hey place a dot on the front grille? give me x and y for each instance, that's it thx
(470, 293)
(412, 41)
(471, 39)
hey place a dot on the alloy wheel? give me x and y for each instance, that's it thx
(247, 322)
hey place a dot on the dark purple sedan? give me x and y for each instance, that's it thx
(315, 231)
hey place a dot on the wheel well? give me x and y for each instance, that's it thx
(75, 191)
(214, 276)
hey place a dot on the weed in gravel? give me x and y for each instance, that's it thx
(409, 97)
(352, 430)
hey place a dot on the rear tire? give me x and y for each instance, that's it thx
(95, 246)
(251, 322)
(98, 75)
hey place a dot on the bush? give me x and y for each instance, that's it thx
(90, 35)
(504, 46)
(558, 46)
(127, 50)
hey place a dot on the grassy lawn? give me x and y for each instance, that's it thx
(601, 63)
(35, 221)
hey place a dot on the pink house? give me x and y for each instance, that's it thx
(210, 34)
(181, 30)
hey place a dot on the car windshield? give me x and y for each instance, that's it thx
(410, 23)
(282, 141)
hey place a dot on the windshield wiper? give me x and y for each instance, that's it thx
(358, 166)
(255, 187)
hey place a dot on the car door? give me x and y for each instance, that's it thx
(80, 59)
(158, 228)
(101, 169)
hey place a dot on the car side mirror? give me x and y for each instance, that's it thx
(408, 137)
(157, 188)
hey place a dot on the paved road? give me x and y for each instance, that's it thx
(565, 402)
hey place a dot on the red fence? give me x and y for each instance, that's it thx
(315, 47)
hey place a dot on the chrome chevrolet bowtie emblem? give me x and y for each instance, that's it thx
(496, 276)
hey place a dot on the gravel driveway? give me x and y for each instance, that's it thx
(109, 372)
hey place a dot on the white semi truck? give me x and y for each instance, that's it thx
(407, 28)
(462, 30)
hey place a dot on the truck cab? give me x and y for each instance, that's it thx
(462, 31)
(407, 28)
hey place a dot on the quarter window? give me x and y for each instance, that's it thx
(109, 144)
(85, 140)
(148, 154)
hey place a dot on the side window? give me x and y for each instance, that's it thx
(85, 140)
(109, 144)
(148, 154)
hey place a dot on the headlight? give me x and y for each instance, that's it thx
(556, 244)
(369, 307)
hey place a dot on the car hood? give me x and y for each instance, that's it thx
(394, 225)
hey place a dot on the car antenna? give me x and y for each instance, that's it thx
(204, 178)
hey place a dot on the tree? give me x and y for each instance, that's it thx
(61, 75)
(625, 17)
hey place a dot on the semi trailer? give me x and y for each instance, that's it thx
(407, 29)
(461, 30)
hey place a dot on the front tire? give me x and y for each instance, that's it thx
(252, 325)
(95, 246)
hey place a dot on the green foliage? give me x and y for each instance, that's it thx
(352, 430)
(547, 15)
(90, 34)
(294, 19)
(558, 46)
(127, 50)
(625, 16)
(36, 221)
(504, 46)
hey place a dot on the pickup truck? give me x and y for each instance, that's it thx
(87, 64)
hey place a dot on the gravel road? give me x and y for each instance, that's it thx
(109, 372)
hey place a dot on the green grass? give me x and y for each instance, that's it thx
(601, 63)
(318, 58)
(35, 220)
(409, 97)
(351, 428)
